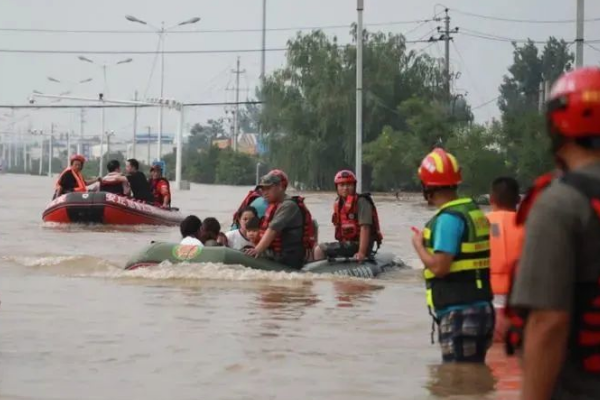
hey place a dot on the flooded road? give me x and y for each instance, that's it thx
(74, 325)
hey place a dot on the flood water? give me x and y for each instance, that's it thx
(74, 325)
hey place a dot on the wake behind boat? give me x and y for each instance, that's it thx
(107, 208)
(176, 253)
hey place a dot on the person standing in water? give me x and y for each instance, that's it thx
(455, 250)
(556, 293)
(506, 239)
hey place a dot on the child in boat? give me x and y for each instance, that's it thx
(237, 239)
(190, 229)
(210, 233)
(253, 232)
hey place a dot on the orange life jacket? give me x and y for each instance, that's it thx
(585, 325)
(81, 186)
(308, 229)
(250, 197)
(159, 198)
(506, 241)
(345, 219)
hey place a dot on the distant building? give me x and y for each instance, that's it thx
(246, 143)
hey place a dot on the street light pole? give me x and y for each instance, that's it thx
(162, 89)
(359, 94)
(162, 31)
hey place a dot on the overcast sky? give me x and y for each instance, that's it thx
(205, 77)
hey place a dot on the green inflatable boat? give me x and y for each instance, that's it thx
(175, 253)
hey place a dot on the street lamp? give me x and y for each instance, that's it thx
(71, 85)
(103, 66)
(162, 31)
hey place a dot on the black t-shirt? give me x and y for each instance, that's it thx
(140, 187)
(67, 182)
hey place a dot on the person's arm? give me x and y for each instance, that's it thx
(438, 263)
(264, 243)
(448, 233)
(546, 335)
(365, 221)
(363, 243)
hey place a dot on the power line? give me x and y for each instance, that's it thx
(523, 21)
(592, 47)
(153, 52)
(40, 106)
(242, 30)
(485, 103)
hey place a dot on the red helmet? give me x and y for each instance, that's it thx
(77, 157)
(344, 176)
(573, 110)
(439, 168)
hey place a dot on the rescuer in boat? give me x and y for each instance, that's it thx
(556, 294)
(71, 179)
(161, 190)
(455, 249)
(190, 229)
(355, 220)
(140, 187)
(505, 244)
(287, 230)
(253, 199)
(115, 182)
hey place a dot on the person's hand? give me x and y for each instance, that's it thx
(417, 239)
(360, 257)
(251, 252)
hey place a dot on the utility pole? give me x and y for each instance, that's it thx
(68, 147)
(579, 36)
(81, 125)
(236, 121)
(447, 37)
(360, 6)
(149, 157)
(264, 43)
(50, 150)
(135, 97)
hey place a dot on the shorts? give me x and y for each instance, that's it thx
(339, 249)
(465, 334)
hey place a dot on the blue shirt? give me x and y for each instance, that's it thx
(448, 233)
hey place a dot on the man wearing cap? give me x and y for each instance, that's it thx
(161, 189)
(282, 229)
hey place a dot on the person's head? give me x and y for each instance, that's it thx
(246, 215)
(345, 183)
(210, 229)
(77, 161)
(190, 226)
(253, 230)
(505, 194)
(132, 166)
(156, 170)
(274, 185)
(113, 166)
(440, 176)
(573, 118)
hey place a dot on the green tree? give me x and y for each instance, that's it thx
(235, 168)
(309, 105)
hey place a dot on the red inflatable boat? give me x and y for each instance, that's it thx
(107, 208)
